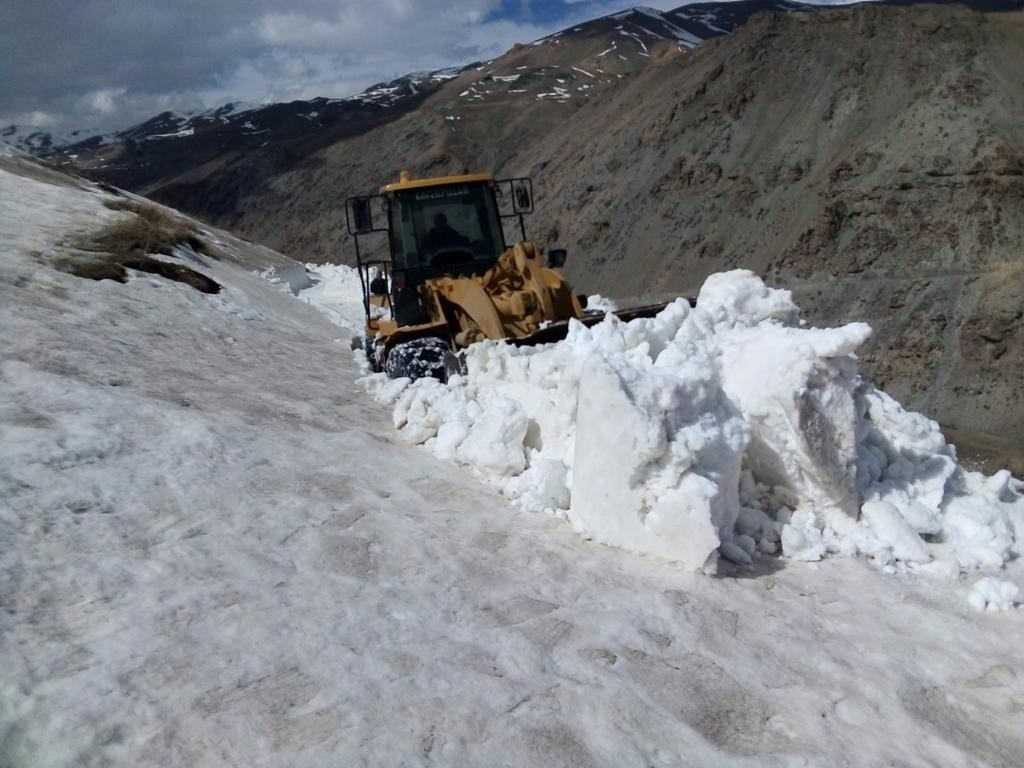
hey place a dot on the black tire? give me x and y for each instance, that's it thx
(417, 359)
(369, 348)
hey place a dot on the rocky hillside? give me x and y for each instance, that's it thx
(868, 157)
(872, 159)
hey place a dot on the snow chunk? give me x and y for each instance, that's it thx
(656, 464)
(890, 526)
(602, 304)
(802, 539)
(993, 595)
(983, 519)
(795, 387)
(904, 460)
(728, 299)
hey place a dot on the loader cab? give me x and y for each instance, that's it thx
(436, 227)
(443, 227)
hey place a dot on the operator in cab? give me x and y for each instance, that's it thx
(442, 235)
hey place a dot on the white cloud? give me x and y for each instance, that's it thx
(36, 118)
(292, 29)
(104, 100)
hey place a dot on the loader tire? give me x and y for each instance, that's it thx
(417, 359)
(369, 348)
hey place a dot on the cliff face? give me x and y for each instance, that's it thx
(870, 158)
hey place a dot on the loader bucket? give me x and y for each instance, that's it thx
(558, 331)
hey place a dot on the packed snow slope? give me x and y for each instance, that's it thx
(215, 550)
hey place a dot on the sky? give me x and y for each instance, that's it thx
(103, 65)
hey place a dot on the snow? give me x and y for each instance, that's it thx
(677, 435)
(34, 139)
(334, 289)
(687, 39)
(635, 37)
(888, 524)
(189, 131)
(598, 303)
(69, 209)
(646, 31)
(216, 551)
(225, 112)
(557, 93)
(707, 19)
(448, 73)
(993, 594)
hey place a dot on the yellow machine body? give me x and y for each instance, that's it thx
(514, 299)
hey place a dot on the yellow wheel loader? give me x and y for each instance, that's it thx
(451, 279)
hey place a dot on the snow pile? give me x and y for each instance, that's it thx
(993, 595)
(724, 430)
(295, 278)
(336, 291)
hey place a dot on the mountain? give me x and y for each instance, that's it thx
(630, 36)
(146, 155)
(613, 45)
(41, 142)
(575, 62)
(658, 161)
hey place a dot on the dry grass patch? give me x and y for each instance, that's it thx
(128, 244)
(110, 267)
(150, 230)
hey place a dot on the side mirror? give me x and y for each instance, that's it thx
(522, 196)
(556, 258)
(360, 216)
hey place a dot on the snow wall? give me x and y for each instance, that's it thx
(725, 430)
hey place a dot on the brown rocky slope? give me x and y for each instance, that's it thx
(872, 160)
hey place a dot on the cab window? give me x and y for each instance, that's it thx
(437, 226)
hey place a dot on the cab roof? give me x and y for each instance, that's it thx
(406, 181)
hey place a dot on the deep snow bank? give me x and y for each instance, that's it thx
(724, 430)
